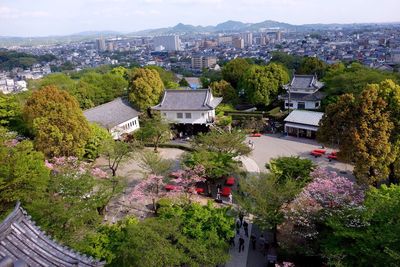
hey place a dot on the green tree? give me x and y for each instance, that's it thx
(167, 77)
(69, 211)
(153, 163)
(183, 83)
(264, 197)
(60, 80)
(9, 109)
(368, 236)
(312, 65)
(155, 130)
(353, 78)
(225, 90)
(23, 175)
(291, 62)
(57, 122)
(362, 127)
(116, 152)
(233, 71)
(98, 137)
(294, 168)
(261, 83)
(231, 143)
(145, 87)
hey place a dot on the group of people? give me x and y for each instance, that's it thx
(230, 197)
(262, 241)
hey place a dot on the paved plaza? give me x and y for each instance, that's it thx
(271, 146)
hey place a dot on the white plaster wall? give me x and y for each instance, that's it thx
(125, 127)
(197, 117)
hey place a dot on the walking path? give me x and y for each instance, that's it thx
(239, 259)
(250, 165)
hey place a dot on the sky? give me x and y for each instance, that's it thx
(63, 17)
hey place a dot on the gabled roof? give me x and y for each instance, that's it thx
(21, 241)
(302, 82)
(200, 99)
(304, 117)
(112, 113)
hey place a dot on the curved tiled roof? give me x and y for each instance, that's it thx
(300, 82)
(112, 113)
(22, 241)
(200, 99)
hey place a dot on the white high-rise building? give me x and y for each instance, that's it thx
(247, 38)
(101, 44)
(169, 42)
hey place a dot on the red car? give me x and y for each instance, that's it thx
(255, 135)
(321, 151)
(332, 156)
(316, 153)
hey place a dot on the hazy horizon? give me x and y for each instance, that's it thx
(25, 18)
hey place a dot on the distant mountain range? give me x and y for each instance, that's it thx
(236, 26)
(225, 27)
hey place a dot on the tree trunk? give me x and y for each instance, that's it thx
(114, 172)
(392, 174)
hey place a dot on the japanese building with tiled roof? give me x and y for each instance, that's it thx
(303, 93)
(22, 243)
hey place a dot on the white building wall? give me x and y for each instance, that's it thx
(125, 127)
(196, 117)
(308, 104)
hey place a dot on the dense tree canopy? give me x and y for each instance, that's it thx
(23, 175)
(182, 235)
(312, 66)
(294, 168)
(261, 83)
(57, 122)
(145, 88)
(362, 128)
(225, 90)
(233, 71)
(353, 78)
(367, 236)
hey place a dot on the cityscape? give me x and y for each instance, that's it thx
(157, 133)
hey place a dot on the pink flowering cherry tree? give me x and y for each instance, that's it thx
(328, 194)
(63, 164)
(153, 186)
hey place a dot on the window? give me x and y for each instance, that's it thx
(301, 105)
(179, 115)
(202, 114)
(188, 115)
(165, 114)
(316, 104)
(291, 104)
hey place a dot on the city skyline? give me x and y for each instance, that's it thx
(44, 18)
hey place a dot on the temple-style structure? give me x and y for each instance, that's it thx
(23, 244)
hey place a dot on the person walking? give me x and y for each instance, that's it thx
(261, 241)
(219, 188)
(241, 244)
(230, 198)
(238, 227)
(232, 241)
(241, 216)
(253, 240)
(246, 228)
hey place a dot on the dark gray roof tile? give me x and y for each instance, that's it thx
(112, 113)
(200, 99)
